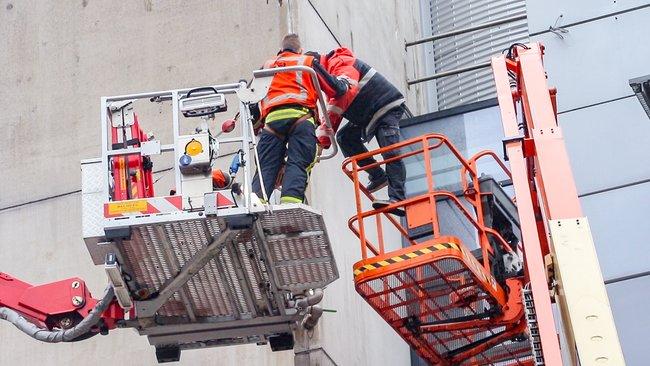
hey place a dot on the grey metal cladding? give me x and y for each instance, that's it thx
(473, 47)
(601, 159)
(629, 301)
(595, 61)
(558, 13)
(619, 231)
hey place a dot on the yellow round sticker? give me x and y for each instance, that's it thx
(193, 148)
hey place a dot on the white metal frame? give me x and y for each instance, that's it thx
(246, 139)
(99, 246)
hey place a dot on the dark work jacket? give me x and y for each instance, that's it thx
(370, 96)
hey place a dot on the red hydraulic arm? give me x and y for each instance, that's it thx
(61, 311)
(60, 305)
(549, 208)
(519, 148)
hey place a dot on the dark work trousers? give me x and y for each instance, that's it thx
(298, 145)
(349, 138)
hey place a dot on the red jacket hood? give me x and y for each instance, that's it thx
(338, 53)
(342, 51)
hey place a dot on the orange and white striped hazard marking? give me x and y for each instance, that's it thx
(143, 206)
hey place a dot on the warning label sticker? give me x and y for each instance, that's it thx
(120, 207)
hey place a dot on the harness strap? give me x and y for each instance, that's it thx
(291, 129)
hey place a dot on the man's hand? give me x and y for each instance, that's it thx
(323, 134)
(346, 79)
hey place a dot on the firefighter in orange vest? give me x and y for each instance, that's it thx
(288, 120)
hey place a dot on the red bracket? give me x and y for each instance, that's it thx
(49, 304)
(527, 146)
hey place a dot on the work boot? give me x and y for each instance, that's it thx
(398, 211)
(376, 184)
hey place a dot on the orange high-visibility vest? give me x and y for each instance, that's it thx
(289, 87)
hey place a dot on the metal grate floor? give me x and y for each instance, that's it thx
(298, 246)
(434, 291)
(290, 252)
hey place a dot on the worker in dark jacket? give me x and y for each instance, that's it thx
(373, 107)
(289, 118)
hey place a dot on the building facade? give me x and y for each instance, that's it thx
(59, 58)
(591, 54)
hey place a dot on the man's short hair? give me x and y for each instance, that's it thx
(291, 42)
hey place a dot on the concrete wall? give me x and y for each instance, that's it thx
(375, 31)
(57, 59)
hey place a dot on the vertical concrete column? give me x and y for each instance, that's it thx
(308, 350)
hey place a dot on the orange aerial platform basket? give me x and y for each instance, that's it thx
(453, 302)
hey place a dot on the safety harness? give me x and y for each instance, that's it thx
(301, 115)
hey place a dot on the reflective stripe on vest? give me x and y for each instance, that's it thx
(287, 113)
(301, 97)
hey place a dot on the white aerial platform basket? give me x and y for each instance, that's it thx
(205, 276)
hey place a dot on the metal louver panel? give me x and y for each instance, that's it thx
(471, 48)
